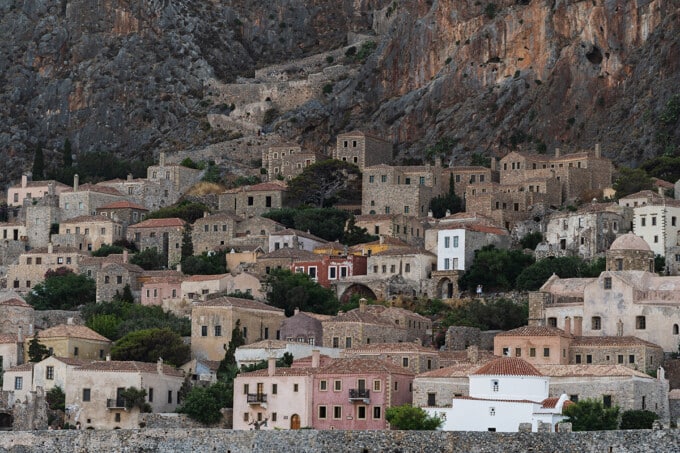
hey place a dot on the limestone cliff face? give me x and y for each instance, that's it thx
(135, 77)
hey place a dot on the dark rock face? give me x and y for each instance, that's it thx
(129, 77)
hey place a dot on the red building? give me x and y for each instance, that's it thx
(328, 269)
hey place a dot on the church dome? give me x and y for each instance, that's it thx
(630, 241)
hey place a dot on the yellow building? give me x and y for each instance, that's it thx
(78, 342)
(383, 244)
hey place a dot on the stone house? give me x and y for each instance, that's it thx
(85, 199)
(362, 149)
(612, 384)
(628, 351)
(151, 194)
(502, 394)
(179, 178)
(47, 374)
(11, 351)
(408, 355)
(625, 300)
(536, 344)
(288, 161)
(255, 200)
(354, 393)
(261, 351)
(13, 231)
(16, 381)
(254, 232)
(399, 226)
(33, 265)
(587, 233)
(213, 232)
(161, 290)
(201, 372)
(125, 212)
(89, 232)
(296, 239)
(72, 341)
(213, 320)
(40, 217)
(93, 392)
(244, 258)
(17, 315)
(382, 244)
(405, 190)
(464, 176)
(412, 266)
(326, 270)
(198, 287)
(163, 235)
(32, 190)
(274, 398)
(657, 223)
(113, 277)
(282, 258)
(642, 198)
(360, 327)
(304, 327)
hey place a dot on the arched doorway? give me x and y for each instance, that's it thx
(361, 290)
(295, 421)
(445, 288)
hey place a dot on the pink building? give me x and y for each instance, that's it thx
(354, 393)
(157, 289)
(329, 269)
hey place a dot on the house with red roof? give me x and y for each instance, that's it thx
(84, 199)
(503, 394)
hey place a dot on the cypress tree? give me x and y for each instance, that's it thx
(68, 154)
(38, 163)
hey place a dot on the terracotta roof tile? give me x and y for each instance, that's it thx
(123, 204)
(88, 218)
(589, 370)
(205, 278)
(549, 403)
(290, 253)
(508, 366)
(534, 331)
(14, 302)
(8, 338)
(159, 223)
(129, 367)
(407, 347)
(282, 371)
(404, 251)
(262, 187)
(96, 188)
(237, 303)
(365, 317)
(300, 233)
(459, 370)
(72, 331)
(266, 344)
(24, 367)
(355, 365)
(612, 341)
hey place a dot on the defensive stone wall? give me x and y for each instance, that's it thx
(307, 441)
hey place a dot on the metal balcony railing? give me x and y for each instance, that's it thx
(257, 398)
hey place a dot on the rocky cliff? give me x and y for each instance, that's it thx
(139, 77)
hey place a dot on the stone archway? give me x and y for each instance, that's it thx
(445, 288)
(360, 289)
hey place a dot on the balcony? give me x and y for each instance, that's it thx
(115, 403)
(359, 395)
(257, 398)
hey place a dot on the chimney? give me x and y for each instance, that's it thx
(205, 214)
(598, 151)
(557, 152)
(271, 366)
(578, 326)
(159, 365)
(437, 161)
(473, 353)
(108, 357)
(161, 159)
(448, 212)
(125, 256)
(567, 325)
(660, 189)
(493, 163)
(129, 177)
(296, 311)
(30, 330)
(382, 239)
(76, 182)
(50, 248)
(69, 321)
(362, 305)
(316, 358)
(20, 335)
(24, 180)
(179, 268)
(430, 214)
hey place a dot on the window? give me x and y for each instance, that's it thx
(455, 241)
(643, 221)
(332, 273)
(447, 242)
(406, 209)
(250, 201)
(377, 385)
(18, 383)
(204, 331)
(607, 283)
(640, 322)
(619, 358)
(274, 416)
(268, 202)
(396, 386)
(653, 220)
(296, 387)
(656, 239)
(589, 358)
(596, 323)
(348, 342)
(323, 385)
(75, 351)
(337, 412)
(631, 358)
(38, 261)
(552, 322)
(86, 394)
(675, 329)
(383, 178)
(492, 411)
(60, 260)
(447, 263)
(546, 352)
(421, 180)
(371, 178)
(494, 385)
(431, 399)
(337, 386)
(577, 359)
(607, 401)
(377, 413)
(169, 396)
(49, 373)
(404, 362)
(119, 279)
(361, 412)
(518, 352)
(246, 389)
(336, 342)
(245, 332)
(322, 412)
(218, 331)
(532, 352)
(275, 389)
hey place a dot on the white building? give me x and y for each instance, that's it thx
(253, 353)
(296, 239)
(457, 242)
(503, 393)
(658, 224)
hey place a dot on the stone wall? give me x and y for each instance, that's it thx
(208, 440)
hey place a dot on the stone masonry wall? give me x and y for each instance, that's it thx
(208, 440)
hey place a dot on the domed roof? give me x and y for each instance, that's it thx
(630, 241)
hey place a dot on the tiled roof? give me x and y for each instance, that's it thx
(24, 367)
(642, 194)
(281, 371)
(96, 188)
(589, 370)
(159, 223)
(44, 183)
(461, 370)
(612, 341)
(130, 366)
(381, 309)
(508, 366)
(262, 187)
(549, 403)
(407, 347)
(237, 303)
(14, 302)
(475, 227)
(71, 361)
(218, 216)
(72, 331)
(373, 217)
(290, 253)
(534, 331)
(123, 204)
(358, 133)
(8, 338)
(365, 317)
(162, 274)
(629, 241)
(356, 365)
(404, 251)
(127, 266)
(385, 240)
(205, 278)
(88, 218)
(266, 344)
(56, 249)
(316, 316)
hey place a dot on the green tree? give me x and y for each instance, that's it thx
(449, 202)
(499, 314)
(531, 240)
(151, 344)
(189, 163)
(632, 180)
(227, 370)
(591, 415)
(290, 290)
(326, 223)
(62, 290)
(105, 325)
(203, 404)
(638, 419)
(534, 276)
(126, 296)
(322, 182)
(407, 417)
(149, 260)
(135, 398)
(284, 362)
(495, 269)
(659, 264)
(189, 211)
(240, 295)
(354, 234)
(56, 399)
(663, 167)
(37, 352)
(187, 242)
(67, 154)
(38, 163)
(207, 263)
(106, 250)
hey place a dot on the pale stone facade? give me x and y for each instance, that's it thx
(11, 351)
(89, 232)
(465, 176)
(164, 235)
(362, 149)
(404, 227)
(287, 161)
(17, 315)
(657, 223)
(180, 178)
(85, 199)
(295, 239)
(408, 355)
(455, 243)
(33, 265)
(213, 320)
(249, 201)
(32, 190)
(411, 264)
(213, 232)
(72, 341)
(126, 212)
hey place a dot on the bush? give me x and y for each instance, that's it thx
(203, 404)
(490, 10)
(637, 419)
(106, 250)
(534, 276)
(149, 260)
(327, 88)
(407, 417)
(531, 240)
(151, 344)
(62, 289)
(591, 415)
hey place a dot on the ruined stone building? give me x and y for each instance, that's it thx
(286, 161)
(126, 212)
(362, 149)
(400, 226)
(179, 177)
(465, 176)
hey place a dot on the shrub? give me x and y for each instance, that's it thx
(327, 88)
(490, 10)
(637, 419)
